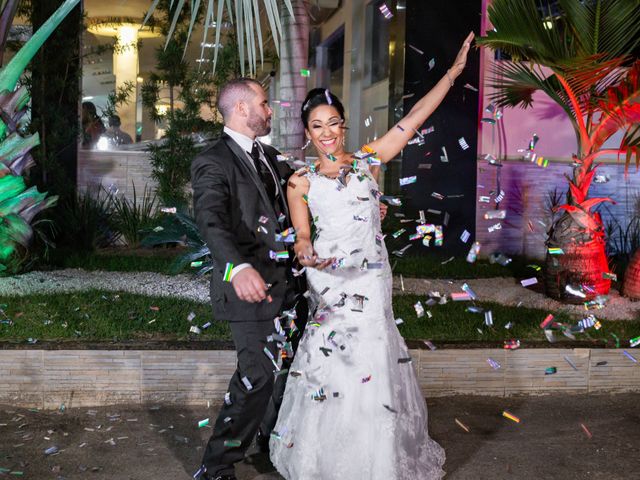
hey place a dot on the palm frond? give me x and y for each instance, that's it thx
(246, 15)
(620, 106)
(519, 30)
(610, 27)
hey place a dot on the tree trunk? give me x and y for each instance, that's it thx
(56, 74)
(294, 50)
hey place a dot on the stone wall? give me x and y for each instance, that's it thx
(47, 379)
(121, 170)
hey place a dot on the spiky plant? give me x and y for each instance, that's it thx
(581, 55)
(19, 204)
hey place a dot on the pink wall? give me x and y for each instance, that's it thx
(545, 118)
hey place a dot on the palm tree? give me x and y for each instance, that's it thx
(579, 53)
(19, 204)
(247, 16)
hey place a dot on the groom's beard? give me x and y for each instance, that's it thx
(260, 126)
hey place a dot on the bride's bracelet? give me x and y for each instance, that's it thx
(449, 77)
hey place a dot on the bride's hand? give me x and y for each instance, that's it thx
(305, 253)
(308, 257)
(461, 58)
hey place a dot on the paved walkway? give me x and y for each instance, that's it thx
(128, 443)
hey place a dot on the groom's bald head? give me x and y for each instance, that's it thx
(234, 92)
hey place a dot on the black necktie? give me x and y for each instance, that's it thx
(263, 172)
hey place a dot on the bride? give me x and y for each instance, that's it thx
(352, 408)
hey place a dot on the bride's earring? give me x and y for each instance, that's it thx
(306, 144)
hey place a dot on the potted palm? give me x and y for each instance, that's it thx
(580, 54)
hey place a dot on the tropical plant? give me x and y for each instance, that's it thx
(581, 55)
(19, 204)
(132, 218)
(84, 220)
(182, 229)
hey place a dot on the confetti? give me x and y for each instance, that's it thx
(495, 215)
(460, 296)
(494, 364)
(473, 252)
(430, 345)
(484, 199)
(463, 143)
(419, 309)
(366, 379)
(574, 291)
(232, 443)
(550, 371)
(510, 416)
(462, 425)
(555, 251)
(568, 360)
(470, 87)
(527, 282)
(385, 11)
(247, 383)
(203, 423)
(280, 255)
(437, 195)
(408, 180)
(488, 318)
(546, 322)
(586, 431)
(465, 236)
(629, 356)
(432, 63)
(415, 49)
(305, 72)
(444, 158)
(634, 342)
(228, 269)
(465, 287)
(511, 344)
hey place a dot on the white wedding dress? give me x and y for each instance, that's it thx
(352, 409)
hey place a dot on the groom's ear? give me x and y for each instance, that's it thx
(241, 108)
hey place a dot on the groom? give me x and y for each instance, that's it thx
(240, 208)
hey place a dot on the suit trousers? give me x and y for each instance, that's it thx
(250, 391)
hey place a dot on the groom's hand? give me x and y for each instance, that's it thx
(249, 285)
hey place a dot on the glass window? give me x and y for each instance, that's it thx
(377, 43)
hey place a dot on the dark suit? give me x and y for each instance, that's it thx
(229, 201)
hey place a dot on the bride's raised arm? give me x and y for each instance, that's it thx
(390, 144)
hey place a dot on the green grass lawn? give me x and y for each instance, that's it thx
(108, 316)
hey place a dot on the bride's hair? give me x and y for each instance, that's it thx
(317, 97)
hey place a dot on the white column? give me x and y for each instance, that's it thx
(125, 69)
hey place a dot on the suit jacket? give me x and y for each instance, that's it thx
(229, 200)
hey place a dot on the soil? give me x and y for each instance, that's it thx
(150, 442)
